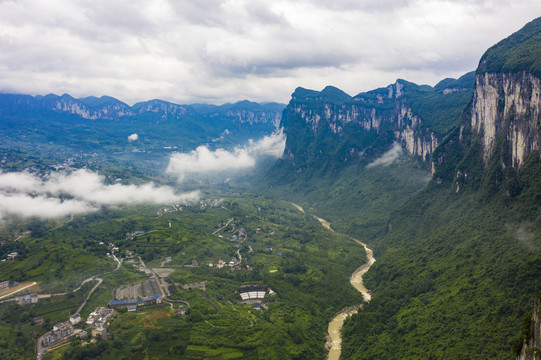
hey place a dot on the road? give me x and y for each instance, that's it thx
(18, 290)
(89, 294)
(223, 227)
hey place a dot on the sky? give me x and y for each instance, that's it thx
(217, 51)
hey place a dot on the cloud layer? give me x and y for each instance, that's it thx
(226, 50)
(389, 157)
(204, 161)
(82, 191)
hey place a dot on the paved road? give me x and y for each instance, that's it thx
(89, 294)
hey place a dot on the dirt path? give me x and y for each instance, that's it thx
(223, 227)
(325, 223)
(298, 207)
(18, 289)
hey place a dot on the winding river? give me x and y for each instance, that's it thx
(334, 336)
(334, 340)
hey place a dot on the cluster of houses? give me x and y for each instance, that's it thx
(99, 319)
(221, 264)
(27, 299)
(111, 247)
(171, 209)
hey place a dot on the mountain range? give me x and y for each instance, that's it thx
(459, 256)
(442, 182)
(56, 127)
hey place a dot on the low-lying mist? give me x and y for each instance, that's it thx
(60, 194)
(203, 162)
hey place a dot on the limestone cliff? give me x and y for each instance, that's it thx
(501, 127)
(333, 126)
(508, 104)
(87, 108)
(531, 348)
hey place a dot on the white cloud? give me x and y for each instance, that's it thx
(272, 145)
(82, 191)
(133, 137)
(203, 160)
(223, 50)
(389, 157)
(41, 206)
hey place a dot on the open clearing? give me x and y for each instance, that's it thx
(22, 286)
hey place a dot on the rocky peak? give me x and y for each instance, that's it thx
(401, 112)
(507, 97)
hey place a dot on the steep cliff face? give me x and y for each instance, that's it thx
(163, 110)
(331, 125)
(109, 108)
(508, 104)
(502, 126)
(531, 349)
(244, 114)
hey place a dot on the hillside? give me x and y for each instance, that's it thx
(333, 138)
(460, 263)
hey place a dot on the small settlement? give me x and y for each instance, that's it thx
(59, 332)
(99, 319)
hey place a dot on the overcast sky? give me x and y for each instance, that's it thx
(217, 51)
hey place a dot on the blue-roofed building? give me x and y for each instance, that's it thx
(123, 303)
(156, 299)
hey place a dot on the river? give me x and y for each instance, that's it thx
(334, 336)
(334, 340)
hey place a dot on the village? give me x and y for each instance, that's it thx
(153, 292)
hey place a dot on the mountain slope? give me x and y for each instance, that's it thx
(331, 127)
(333, 138)
(459, 264)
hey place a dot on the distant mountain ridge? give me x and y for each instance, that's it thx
(59, 126)
(109, 108)
(332, 127)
